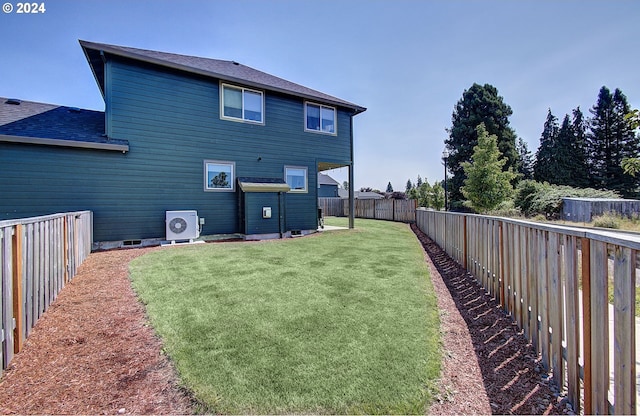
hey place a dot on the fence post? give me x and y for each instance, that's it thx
(585, 245)
(393, 208)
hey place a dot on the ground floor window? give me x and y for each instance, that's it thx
(219, 175)
(296, 178)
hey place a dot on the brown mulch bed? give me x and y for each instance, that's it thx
(93, 352)
(489, 367)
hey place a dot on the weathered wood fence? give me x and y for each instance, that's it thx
(401, 210)
(38, 256)
(554, 281)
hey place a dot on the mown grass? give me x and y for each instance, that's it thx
(343, 322)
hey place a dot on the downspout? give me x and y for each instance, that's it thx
(352, 205)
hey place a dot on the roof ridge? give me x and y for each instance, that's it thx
(225, 70)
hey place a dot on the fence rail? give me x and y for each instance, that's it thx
(554, 281)
(38, 256)
(401, 210)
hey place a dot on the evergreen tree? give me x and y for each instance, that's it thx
(345, 185)
(389, 188)
(409, 186)
(543, 167)
(562, 173)
(479, 104)
(525, 160)
(486, 185)
(612, 139)
(419, 182)
(579, 167)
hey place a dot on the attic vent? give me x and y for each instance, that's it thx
(74, 110)
(235, 63)
(13, 101)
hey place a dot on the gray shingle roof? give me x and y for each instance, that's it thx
(31, 119)
(343, 193)
(224, 70)
(326, 180)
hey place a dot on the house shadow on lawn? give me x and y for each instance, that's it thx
(512, 374)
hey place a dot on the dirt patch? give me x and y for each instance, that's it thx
(93, 352)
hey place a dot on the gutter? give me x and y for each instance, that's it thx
(124, 148)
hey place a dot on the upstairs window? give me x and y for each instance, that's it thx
(320, 118)
(242, 104)
(296, 178)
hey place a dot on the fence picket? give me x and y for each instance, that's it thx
(625, 334)
(599, 334)
(401, 210)
(6, 279)
(556, 307)
(572, 324)
(544, 268)
(36, 256)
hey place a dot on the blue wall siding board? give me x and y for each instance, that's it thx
(172, 122)
(254, 223)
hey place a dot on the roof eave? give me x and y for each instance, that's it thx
(99, 81)
(132, 55)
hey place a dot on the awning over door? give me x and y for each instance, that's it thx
(263, 185)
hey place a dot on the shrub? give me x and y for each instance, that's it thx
(607, 220)
(535, 198)
(506, 209)
(526, 191)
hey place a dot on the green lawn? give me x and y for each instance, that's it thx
(341, 322)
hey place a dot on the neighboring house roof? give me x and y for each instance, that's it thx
(39, 123)
(326, 180)
(343, 193)
(225, 70)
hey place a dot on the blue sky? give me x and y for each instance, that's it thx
(407, 61)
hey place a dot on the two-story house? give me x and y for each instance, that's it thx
(178, 133)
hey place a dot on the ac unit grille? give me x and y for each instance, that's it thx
(178, 225)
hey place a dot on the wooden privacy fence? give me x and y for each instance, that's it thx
(38, 256)
(401, 210)
(554, 281)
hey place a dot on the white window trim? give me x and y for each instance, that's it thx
(306, 179)
(240, 119)
(335, 119)
(233, 175)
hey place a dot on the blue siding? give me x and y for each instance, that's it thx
(328, 191)
(254, 223)
(172, 122)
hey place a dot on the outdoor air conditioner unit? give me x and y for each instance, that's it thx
(182, 225)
